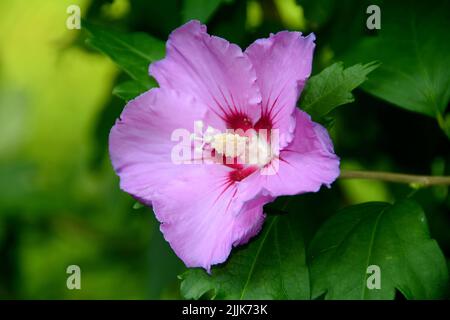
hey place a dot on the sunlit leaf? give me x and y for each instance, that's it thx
(333, 87)
(129, 90)
(132, 52)
(393, 237)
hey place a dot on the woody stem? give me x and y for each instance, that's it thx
(420, 180)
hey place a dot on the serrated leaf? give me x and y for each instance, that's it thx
(200, 9)
(333, 87)
(130, 89)
(393, 237)
(132, 52)
(413, 47)
(273, 266)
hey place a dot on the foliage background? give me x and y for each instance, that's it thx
(59, 199)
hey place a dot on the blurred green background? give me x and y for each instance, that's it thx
(60, 202)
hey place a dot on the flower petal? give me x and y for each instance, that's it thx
(211, 69)
(303, 166)
(282, 63)
(202, 217)
(140, 142)
(250, 220)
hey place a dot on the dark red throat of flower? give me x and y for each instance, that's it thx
(242, 173)
(238, 121)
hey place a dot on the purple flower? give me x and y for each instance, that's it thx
(205, 81)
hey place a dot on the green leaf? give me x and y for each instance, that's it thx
(393, 237)
(130, 89)
(413, 47)
(273, 266)
(200, 9)
(132, 52)
(332, 87)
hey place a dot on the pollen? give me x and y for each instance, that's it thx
(229, 144)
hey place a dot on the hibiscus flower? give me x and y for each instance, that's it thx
(205, 82)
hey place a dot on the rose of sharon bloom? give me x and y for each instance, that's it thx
(206, 209)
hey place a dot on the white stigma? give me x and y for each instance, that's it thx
(252, 148)
(229, 144)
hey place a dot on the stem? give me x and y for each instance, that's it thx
(396, 177)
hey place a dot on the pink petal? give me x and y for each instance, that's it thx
(211, 69)
(140, 142)
(202, 216)
(304, 165)
(282, 63)
(249, 222)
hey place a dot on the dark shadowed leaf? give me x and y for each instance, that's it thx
(200, 9)
(272, 266)
(393, 237)
(413, 47)
(317, 11)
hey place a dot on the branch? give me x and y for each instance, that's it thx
(396, 177)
